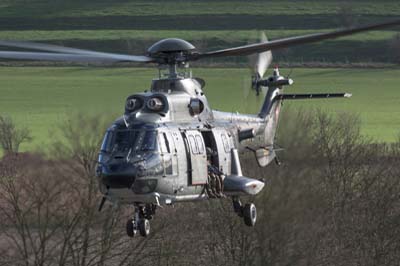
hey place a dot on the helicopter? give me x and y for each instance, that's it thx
(169, 146)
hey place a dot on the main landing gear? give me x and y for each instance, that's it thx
(248, 212)
(141, 220)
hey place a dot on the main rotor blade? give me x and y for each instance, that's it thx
(264, 58)
(58, 57)
(287, 42)
(68, 50)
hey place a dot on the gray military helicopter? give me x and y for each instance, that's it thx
(169, 146)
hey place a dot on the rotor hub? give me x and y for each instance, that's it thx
(171, 50)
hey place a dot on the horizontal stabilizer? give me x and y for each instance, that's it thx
(312, 96)
(234, 184)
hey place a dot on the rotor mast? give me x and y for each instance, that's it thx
(174, 70)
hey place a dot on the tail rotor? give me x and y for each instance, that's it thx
(264, 59)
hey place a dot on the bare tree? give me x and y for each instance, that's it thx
(11, 137)
(394, 46)
(333, 201)
(95, 238)
(32, 205)
(50, 208)
(346, 14)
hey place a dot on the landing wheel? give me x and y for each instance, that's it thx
(144, 227)
(250, 214)
(130, 228)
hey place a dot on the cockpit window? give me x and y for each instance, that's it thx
(129, 140)
(106, 145)
(150, 141)
(125, 140)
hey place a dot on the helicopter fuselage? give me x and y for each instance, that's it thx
(160, 151)
(169, 145)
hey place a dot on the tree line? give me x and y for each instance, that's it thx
(333, 201)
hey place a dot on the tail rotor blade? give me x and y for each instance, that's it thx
(264, 58)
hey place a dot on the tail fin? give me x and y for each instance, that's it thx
(269, 101)
(275, 85)
(269, 112)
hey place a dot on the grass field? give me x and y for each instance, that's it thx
(43, 97)
(368, 45)
(130, 26)
(226, 35)
(74, 8)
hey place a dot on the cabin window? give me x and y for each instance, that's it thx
(167, 142)
(225, 143)
(164, 143)
(193, 145)
(200, 144)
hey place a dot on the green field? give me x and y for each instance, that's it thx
(368, 45)
(43, 97)
(131, 26)
(225, 35)
(74, 8)
(125, 26)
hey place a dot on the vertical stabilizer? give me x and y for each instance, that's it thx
(275, 85)
(269, 112)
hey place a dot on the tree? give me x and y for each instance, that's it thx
(49, 208)
(92, 237)
(11, 137)
(333, 201)
(394, 46)
(346, 14)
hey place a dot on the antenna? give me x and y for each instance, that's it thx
(290, 73)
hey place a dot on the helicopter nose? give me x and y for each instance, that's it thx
(117, 175)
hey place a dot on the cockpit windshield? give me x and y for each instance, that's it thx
(128, 140)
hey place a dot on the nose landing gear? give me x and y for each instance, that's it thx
(140, 221)
(248, 212)
(144, 227)
(131, 228)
